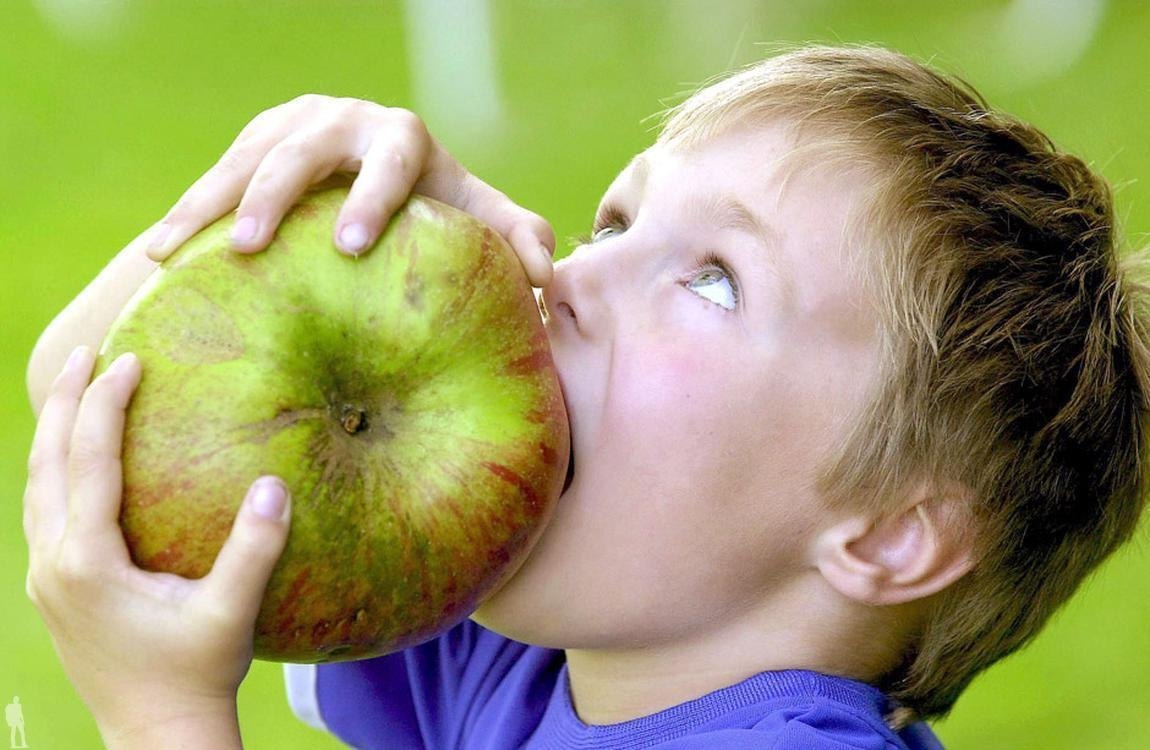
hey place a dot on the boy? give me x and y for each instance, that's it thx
(857, 392)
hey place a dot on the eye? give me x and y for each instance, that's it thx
(708, 276)
(610, 218)
(598, 233)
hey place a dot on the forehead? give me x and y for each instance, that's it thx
(756, 179)
(772, 177)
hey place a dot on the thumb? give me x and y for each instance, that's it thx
(239, 576)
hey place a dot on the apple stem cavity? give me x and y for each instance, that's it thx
(353, 419)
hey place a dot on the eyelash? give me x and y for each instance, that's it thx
(711, 260)
(611, 216)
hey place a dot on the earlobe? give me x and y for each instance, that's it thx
(910, 556)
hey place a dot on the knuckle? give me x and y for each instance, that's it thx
(73, 568)
(262, 183)
(409, 124)
(347, 104)
(336, 124)
(292, 147)
(32, 590)
(36, 588)
(309, 100)
(257, 121)
(232, 159)
(254, 125)
(538, 225)
(394, 160)
(464, 192)
(362, 109)
(39, 459)
(40, 592)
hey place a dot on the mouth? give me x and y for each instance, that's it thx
(571, 430)
(570, 470)
(543, 314)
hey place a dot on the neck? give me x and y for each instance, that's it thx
(808, 627)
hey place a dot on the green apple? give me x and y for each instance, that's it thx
(407, 397)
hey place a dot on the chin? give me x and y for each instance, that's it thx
(514, 610)
(512, 613)
(492, 616)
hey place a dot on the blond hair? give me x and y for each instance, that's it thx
(1014, 358)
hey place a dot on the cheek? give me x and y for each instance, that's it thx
(681, 417)
(712, 401)
(693, 477)
(670, 432)
(813, 398)
(665, 394)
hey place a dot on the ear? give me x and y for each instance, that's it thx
(917, 552)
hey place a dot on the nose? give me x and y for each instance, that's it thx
(575, 299)
(556, 298)
(593, 287)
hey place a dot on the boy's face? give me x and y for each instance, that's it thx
(696, 428)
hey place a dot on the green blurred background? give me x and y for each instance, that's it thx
(109, 109)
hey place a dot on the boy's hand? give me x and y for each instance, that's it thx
(288, 149)
(142, 649)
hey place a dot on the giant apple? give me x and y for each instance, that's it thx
(408, 398)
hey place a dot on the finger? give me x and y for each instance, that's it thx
(46, 494)
(215, 193)
(389, 170)
(528, 233)
(94, 463)
(535, 257)
(239, 577)
(220, 189)
(283, 176)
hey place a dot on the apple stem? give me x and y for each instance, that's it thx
(353, 419)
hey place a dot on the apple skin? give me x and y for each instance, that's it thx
(407, 397)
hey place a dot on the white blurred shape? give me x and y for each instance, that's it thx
(453, 68)
(706, 35)
(87, 23)
(1040, 39)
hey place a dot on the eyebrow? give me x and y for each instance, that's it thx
(723, 212)
(727, 212)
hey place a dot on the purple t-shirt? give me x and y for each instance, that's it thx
(473, 689)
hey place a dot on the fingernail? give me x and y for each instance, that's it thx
(353, 237)
(121, 364)
(160, 234)
(268, 498)
(245, 230)
(79, 354)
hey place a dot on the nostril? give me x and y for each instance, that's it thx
(565, 309)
